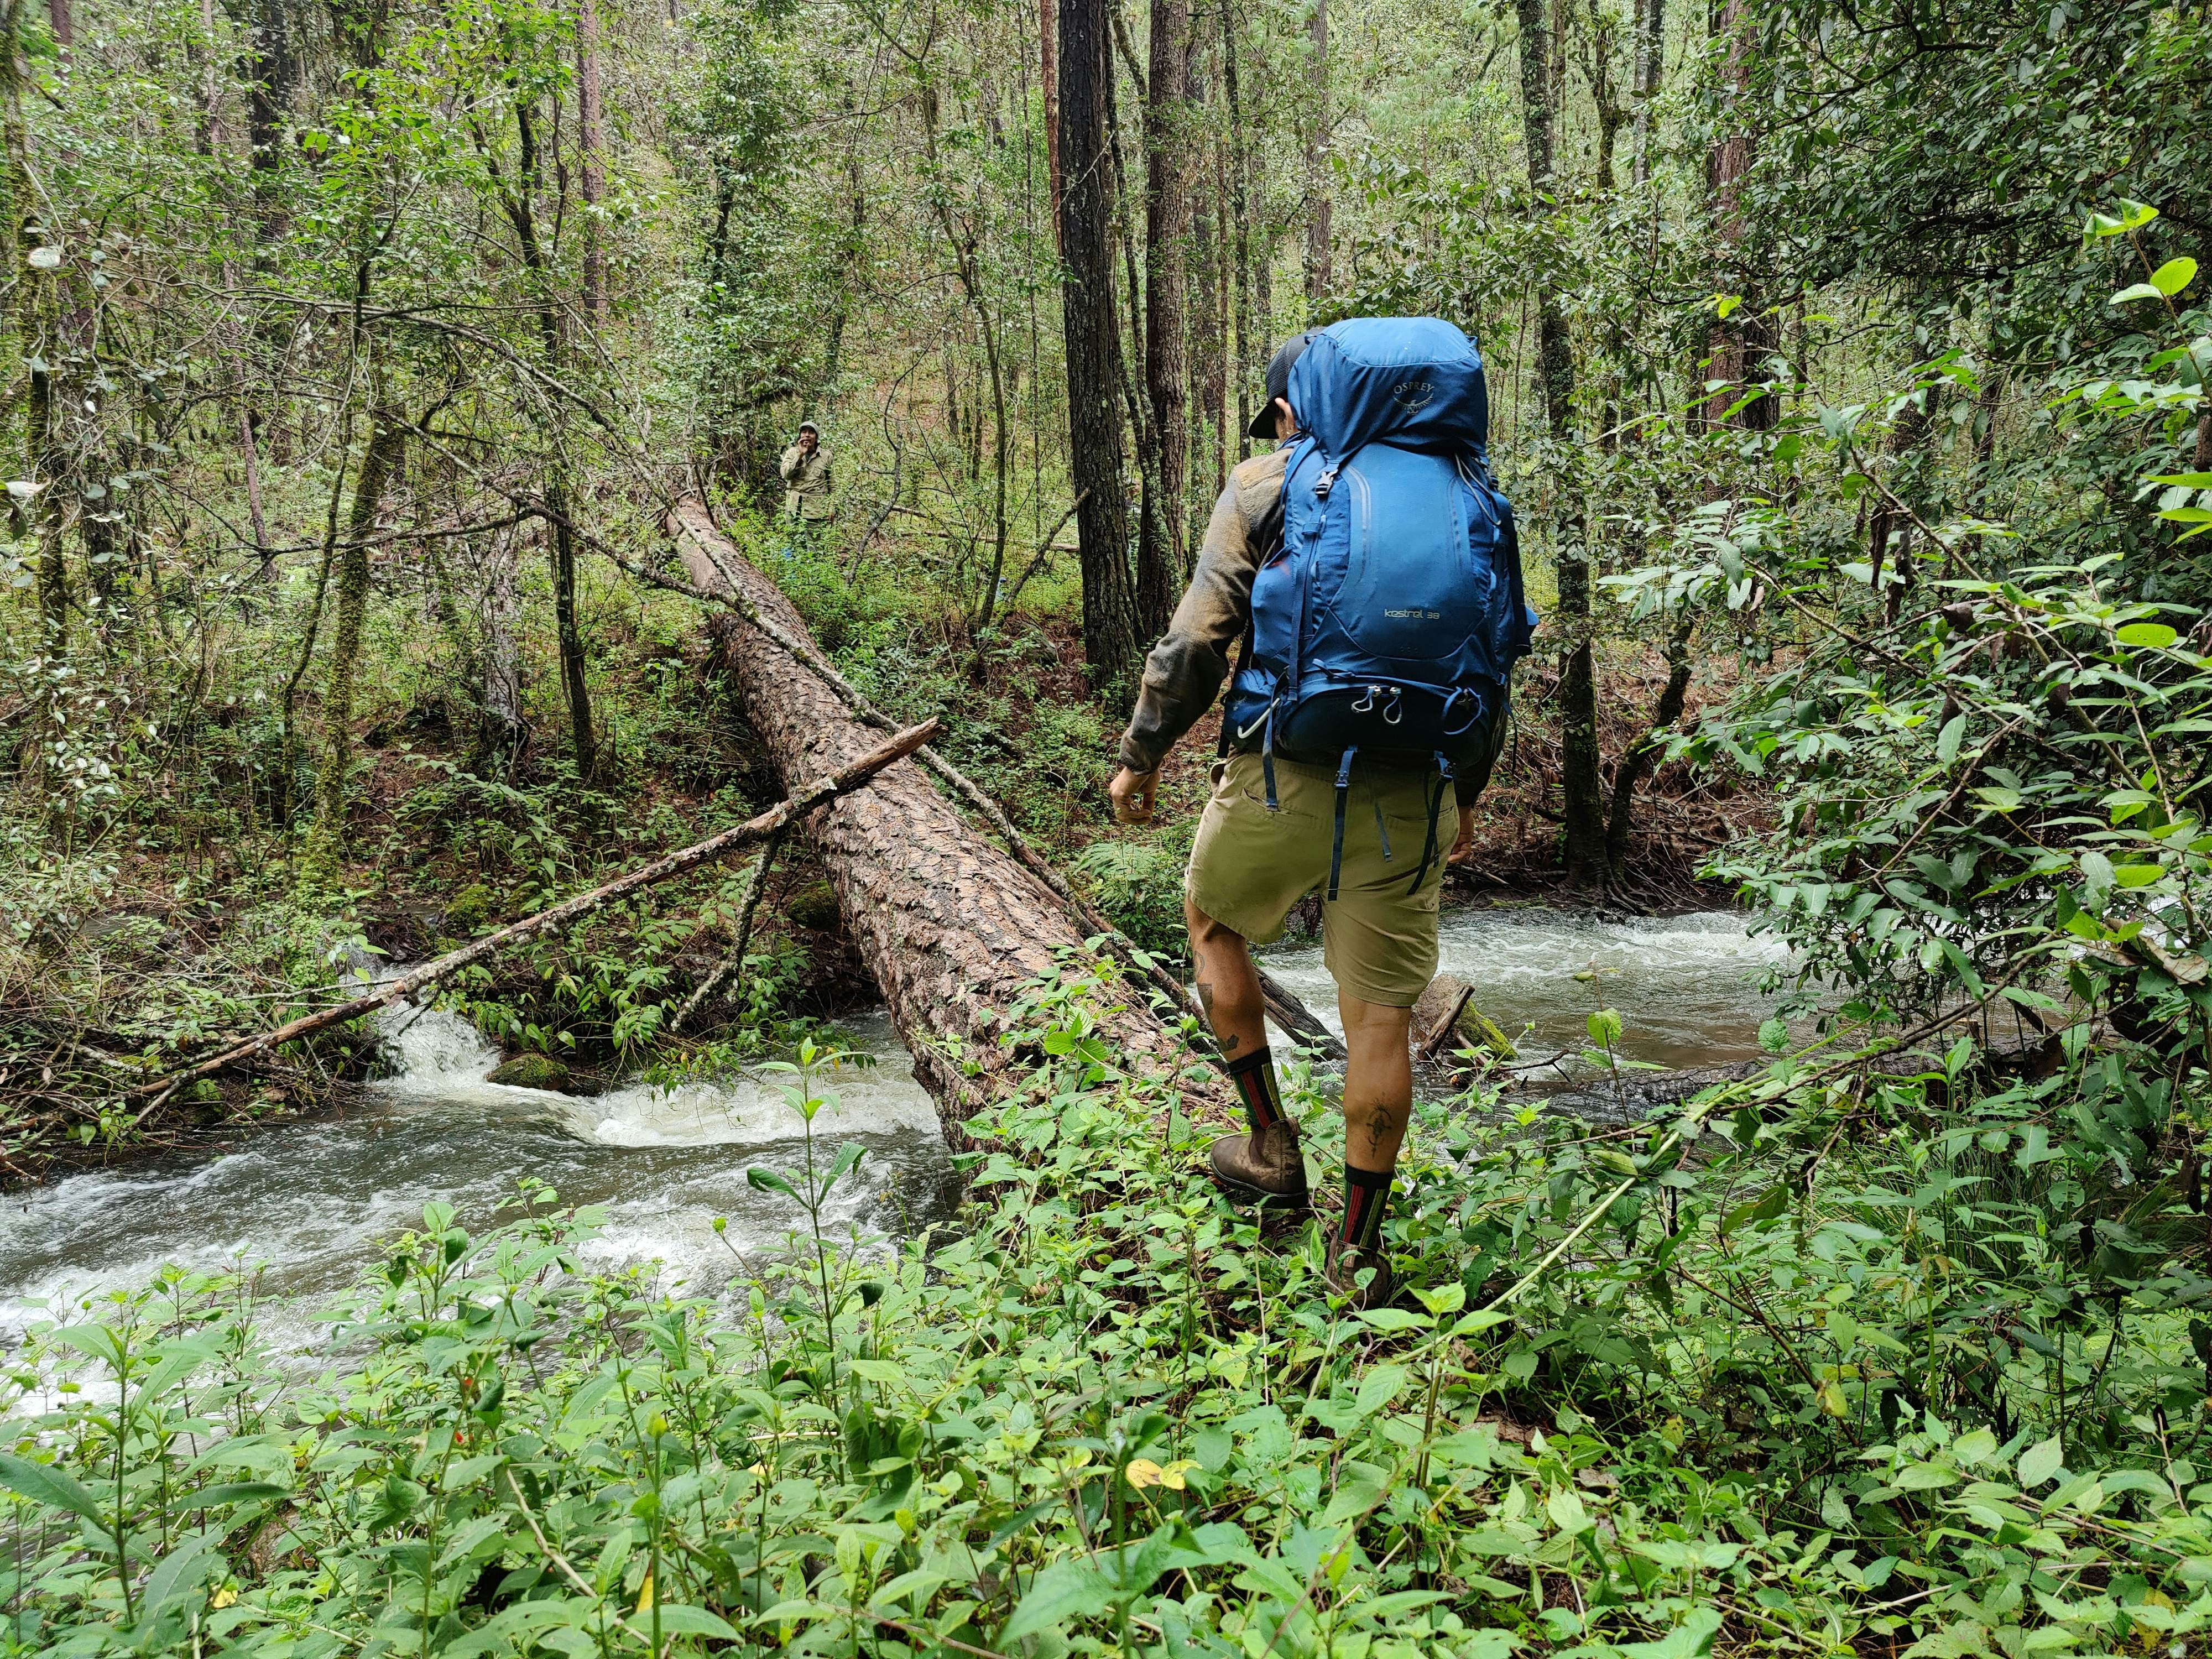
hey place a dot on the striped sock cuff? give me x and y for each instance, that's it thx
(1253, 1074)
(1366, 1196)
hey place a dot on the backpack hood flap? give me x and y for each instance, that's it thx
(1416, 382)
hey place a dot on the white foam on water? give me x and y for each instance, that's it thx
(312, 1203)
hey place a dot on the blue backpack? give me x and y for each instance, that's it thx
(1390, 620)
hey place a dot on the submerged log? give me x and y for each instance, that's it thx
(953, 929)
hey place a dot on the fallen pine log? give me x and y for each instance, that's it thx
(1282, 1004)
(855, 772)
(953, 929)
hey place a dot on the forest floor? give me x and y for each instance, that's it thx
(202, 939)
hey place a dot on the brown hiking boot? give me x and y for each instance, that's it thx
(1345, 1264)
(1264, 1167)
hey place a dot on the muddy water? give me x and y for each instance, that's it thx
(309, 1203)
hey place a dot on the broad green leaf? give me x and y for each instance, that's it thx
(1974, 1447)
(848, 1155)
(695, 1621)
(1767, 1206)
(47, 1485)
(768, 1181)
(2170, 278)
(1923, 1477)
(176, 1577)
(2150, 636)
(2137, 291)
(2185, 480)
(1394, 1319)
(1948, 739)
(1378, 1389)
(1481, 1321)
(234, 1492)
(2040, 1462)
(1565, 1508)
(1691, 1639)
(1064, 1591)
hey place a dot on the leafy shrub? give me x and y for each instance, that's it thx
(1636, 1405)
(1139, 884)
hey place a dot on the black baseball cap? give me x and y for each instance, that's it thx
(1278, 384)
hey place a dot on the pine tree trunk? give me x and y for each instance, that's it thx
(1208, 331)
(1581, 789)
(1093, 331)
(952, 927)
(1317, 274)
(1167, 229)
(1241, 236)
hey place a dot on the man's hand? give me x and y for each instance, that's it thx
(1133, 795)
(1463, 845)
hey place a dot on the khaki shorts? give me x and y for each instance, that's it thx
(1250, 865)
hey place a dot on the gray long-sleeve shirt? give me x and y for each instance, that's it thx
(1186, 668)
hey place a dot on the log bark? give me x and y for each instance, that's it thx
(953, 929)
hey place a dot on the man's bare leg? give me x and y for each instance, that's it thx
(1266, 1164)
(1379, 1080)
(1378, 1098)
(1227, 984)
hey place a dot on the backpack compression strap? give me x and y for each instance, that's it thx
(1336, 847)
(1435, 810)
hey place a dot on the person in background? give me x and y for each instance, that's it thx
(807, 498)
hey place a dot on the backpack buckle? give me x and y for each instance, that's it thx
(1327, 482)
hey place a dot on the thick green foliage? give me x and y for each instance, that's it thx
(1804, 1389)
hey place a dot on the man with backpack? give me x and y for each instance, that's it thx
(1370, 569)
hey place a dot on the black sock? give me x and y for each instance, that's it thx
(1253, 1074)
(1366, 1196)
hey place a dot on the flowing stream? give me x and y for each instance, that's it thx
(1687, 987)
(308, 1204)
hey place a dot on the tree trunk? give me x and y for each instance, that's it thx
(1744, 338)
(387, 444)
(583, 745)
(1651, 69)
(590, 137)
(1094, 371)
(1240, 236)
(1208, 333)
(952, 927)
(1049, 80)
(1317, 202)
(1639, 759)
(499, 735)
(1582, 790)
(1167, 228)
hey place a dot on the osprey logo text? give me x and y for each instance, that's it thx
(1413, 394)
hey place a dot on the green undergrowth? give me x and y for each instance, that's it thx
(1820, 1366)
